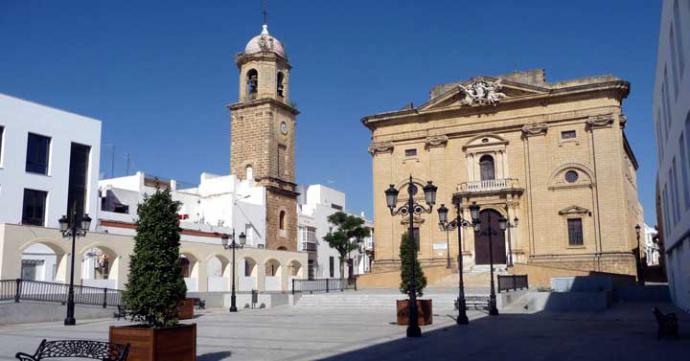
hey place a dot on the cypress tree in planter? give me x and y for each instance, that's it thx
(156, 287)
(423, 306)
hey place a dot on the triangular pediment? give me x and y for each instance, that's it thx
(481, 91)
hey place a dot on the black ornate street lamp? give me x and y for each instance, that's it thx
(638, 257)
(233, 245)
(509, 225)
(71, 228)
(412, 208)
(458, 223)
(493, 311)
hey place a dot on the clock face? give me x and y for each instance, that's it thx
(283, 128)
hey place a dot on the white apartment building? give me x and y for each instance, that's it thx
(651, 248)
(49, 163)
(672, 122)
(317, 203)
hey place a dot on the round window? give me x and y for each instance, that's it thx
(571, 176)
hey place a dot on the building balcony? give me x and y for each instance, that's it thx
(490, 186)
(308, 246)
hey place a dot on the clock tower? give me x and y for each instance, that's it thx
(263, 135)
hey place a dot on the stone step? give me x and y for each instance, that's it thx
(383, 301)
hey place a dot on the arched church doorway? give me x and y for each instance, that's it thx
(489, 228)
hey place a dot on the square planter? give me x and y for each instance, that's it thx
(424, 312)
(157, 344)
(185, 310)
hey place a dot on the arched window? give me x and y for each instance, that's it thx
(486, 167)
(281, 220)
(252, 82)
(280, 86)
(249, 172)
(185, 266)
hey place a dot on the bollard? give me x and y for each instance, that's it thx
(18, 290)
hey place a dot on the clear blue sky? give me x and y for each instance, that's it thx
(159, 74)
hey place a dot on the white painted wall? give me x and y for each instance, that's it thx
(19, 118)
(671, 117)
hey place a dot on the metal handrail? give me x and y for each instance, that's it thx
(323, 285)
(512, 282)
(28, 290)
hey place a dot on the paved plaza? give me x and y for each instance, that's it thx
(626, 332)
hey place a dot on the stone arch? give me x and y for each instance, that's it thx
(190, 265)
(294, 268)
(280, 84)
(585, 176)
(100, 266)
(252, 82)
(43, 260)
(218, 265)
(273, 267)
(250, 267)
(273, 280)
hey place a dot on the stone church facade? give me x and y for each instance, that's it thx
(552, 155)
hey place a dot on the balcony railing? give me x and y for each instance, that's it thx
(309, 246)
(488, 185)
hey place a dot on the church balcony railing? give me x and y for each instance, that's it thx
(489, 186)
(309, 246)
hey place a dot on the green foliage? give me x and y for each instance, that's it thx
(155, 286)
(348, 231)
(406, 271)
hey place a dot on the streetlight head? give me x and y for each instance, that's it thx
(515, 222)
(224, 239)
(637, 229)
(64, 224)
(430, 193)
(502, 223)
(85, 222)
(442, 214)
(243, 239)
(474, 212)
(392, 196)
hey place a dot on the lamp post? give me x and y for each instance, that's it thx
(493, 311)
(510, 225)
(70, 228)
(233, 245)
(458, 223)
(638, 257)
(410, 209)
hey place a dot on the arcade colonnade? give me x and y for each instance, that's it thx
(103, 261)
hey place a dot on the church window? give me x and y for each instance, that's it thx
(568, 134)
(249, 172)
(281, 220)
(571, 176)
(575, 232)
(280, 84)
(252, 82)
(410, 152)
(486, 167)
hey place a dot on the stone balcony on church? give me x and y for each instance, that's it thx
(489, 186)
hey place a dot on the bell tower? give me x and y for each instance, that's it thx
(263, 134)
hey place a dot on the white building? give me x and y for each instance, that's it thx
(49, 162)
(672, 121)
(317, 202)
(651, 248)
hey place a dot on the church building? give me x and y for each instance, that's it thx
(550, 157)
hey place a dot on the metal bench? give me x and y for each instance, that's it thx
(199, 303)
(668, 324)
(121, 312)
(96, 350)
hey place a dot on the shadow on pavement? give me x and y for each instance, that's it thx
(214, 356)
(625, 332)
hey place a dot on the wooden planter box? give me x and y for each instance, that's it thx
(157, 344)
(185, 311)
(424, 312)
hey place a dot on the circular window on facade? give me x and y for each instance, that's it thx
(571, 176)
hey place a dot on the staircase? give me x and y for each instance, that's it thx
(477, 277)
(361, 300)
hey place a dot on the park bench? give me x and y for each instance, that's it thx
(121, 312)
(199, 303)
(668, 323)
(96, 350)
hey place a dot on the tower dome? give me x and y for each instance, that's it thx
(265, 42)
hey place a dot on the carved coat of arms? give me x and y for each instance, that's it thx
(482, 92)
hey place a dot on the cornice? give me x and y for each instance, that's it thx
(262, 101)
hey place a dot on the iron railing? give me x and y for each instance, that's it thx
(323, 285)
(18, 290)
(512, 282)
